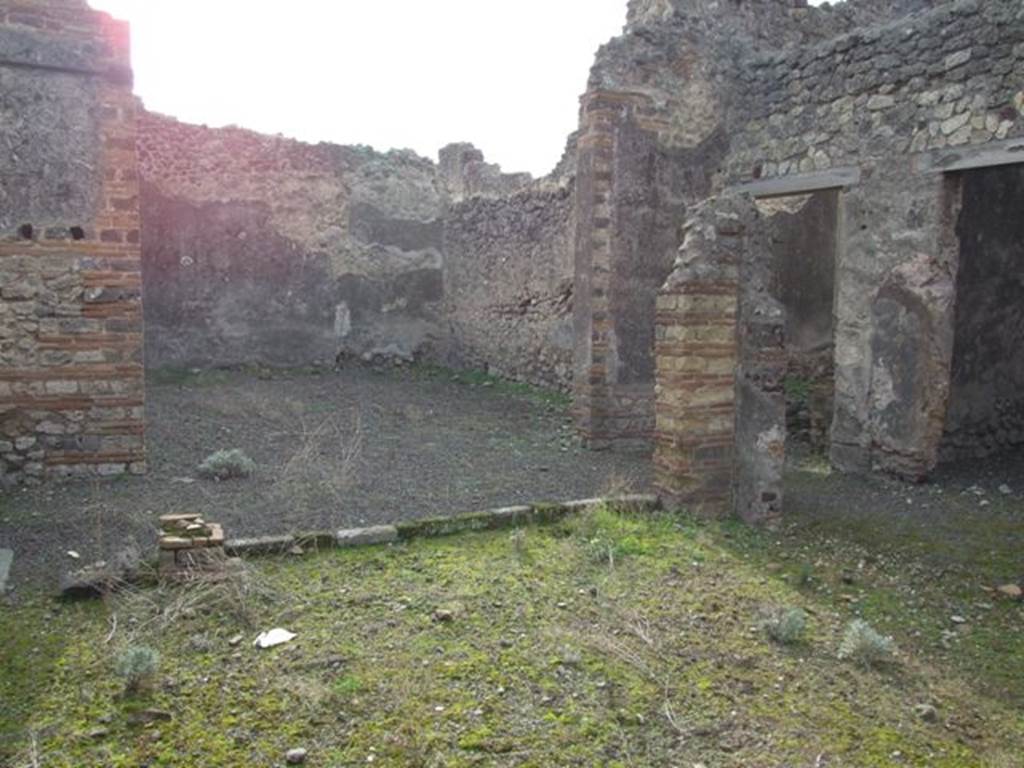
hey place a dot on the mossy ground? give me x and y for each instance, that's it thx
(609, 639)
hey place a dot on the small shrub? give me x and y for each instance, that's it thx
(608, 535)
(600, 550)
(865, 646)
(225, 464)
(785, 625)
(347, 686)
(519, 543)
(805, 575)
(796, 388)
(137, 664)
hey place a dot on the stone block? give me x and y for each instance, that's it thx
(6, 560)
(357, 537)
(259, 545)
(175, 542)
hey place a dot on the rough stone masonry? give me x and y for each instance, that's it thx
(764, 201)
(71, 383)
(911, 122)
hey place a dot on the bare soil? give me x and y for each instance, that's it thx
(333, 449)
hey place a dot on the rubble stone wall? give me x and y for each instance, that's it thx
(508, 283)
(71, 376)
(879, 99)
(263, 249)
(663, 105)
(883, 116)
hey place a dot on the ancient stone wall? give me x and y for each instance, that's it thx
(697, 354)
(640, 163)
(771, 24)
(886, 101)
(263, 249)
(508, 283)
(465, 174)
(885, 118)
(663, 101)
(71, 383)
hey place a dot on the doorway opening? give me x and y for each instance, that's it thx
(985, 415)
(803, 232)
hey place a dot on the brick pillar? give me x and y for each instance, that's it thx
(696, 353)
(624, 242)
(720, 434)
(71, 375)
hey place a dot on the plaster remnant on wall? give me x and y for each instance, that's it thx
(342, 320)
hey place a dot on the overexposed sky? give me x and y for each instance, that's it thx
(404, 73)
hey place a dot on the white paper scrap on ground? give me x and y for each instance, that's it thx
(272, 637)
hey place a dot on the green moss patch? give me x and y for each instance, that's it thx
(531, 647)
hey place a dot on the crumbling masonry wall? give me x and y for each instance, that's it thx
(886, 101)
(879, 115)
(508, 283)
(262, 249)
(721, 361)
(71, 383)
(656, 124)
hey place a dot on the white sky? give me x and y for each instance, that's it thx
(505, 75)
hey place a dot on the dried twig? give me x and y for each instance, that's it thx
(641, 627)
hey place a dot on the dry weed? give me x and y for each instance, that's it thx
(319, 472)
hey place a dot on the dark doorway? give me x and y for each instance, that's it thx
(803, 231)
(986, 404)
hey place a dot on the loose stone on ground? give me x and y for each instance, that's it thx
(6, 558)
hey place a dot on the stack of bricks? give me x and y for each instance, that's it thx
(191, 548)
(71, 373)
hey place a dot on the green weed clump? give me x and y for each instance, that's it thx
(609, 535)
(797, 388)
(137, 665)
(226, 464)
(865, 646)
(805, 575)
(785, 625)
(520, 544)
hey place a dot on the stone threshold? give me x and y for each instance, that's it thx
(487, 520)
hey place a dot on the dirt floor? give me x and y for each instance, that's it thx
(608, 639)
(333, 450)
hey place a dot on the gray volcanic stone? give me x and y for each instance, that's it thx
(6, 559)
(355, 537)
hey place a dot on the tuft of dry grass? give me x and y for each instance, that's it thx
(240, 594)
(321, 470)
